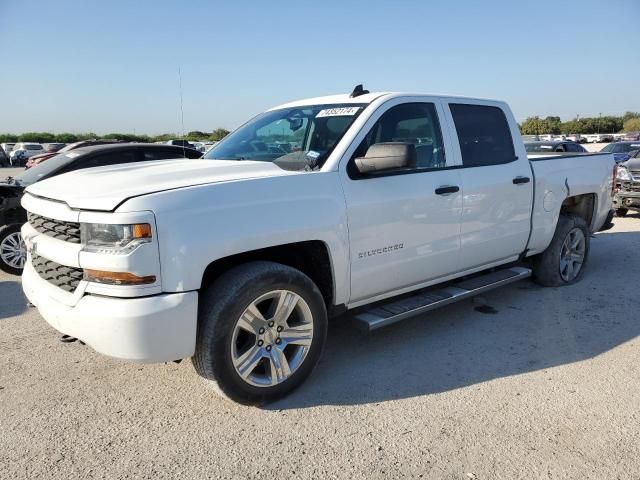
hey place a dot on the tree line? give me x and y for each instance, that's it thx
(629, 122)
(47, 137)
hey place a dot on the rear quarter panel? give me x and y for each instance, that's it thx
(197, 225)
(561, 177)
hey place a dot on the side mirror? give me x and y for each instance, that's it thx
(295, 123)
(387, 156)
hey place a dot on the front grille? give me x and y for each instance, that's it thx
(66, 231)
(66, 278)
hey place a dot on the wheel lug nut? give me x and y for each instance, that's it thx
(261, 331)
(268, 348)
(260, 343)
(278, 341)
(280, 328)
(271, 323)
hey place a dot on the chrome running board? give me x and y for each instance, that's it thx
(396, 310)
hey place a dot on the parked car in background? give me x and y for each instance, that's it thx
(627, 195)
(199, 146)
(53, 147)
(209, 145)
(621, 150)
(37, 159)
(4, 159)
(632, 136)
(7, 147)
(23, 151)
(181, 143)
(12, 215)
(576, 137)
(562, 146)
(599, 137)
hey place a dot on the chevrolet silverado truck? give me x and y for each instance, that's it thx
(384, 205)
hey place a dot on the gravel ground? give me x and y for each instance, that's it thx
(545, 387)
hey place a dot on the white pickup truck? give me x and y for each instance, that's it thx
(382, 204)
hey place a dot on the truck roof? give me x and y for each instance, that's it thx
(368, 98)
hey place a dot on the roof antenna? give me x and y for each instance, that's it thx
(359, 90)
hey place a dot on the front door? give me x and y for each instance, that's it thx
(404, 224)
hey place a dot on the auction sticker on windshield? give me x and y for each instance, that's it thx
(338, 112)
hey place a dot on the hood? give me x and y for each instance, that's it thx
(104, 188)
(632, 164)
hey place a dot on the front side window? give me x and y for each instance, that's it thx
(415, 123)
(484, 135)
(298, 138)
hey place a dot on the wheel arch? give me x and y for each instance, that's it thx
(313, 258)
(583, 206)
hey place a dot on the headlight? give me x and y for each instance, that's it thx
(624, 175)
(113, 238)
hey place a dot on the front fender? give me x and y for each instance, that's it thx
(198, 225)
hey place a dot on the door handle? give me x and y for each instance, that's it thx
(521, 180)
(445, 189)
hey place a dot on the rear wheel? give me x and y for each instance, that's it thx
(563, 262)
(261, 330)
(13, 252)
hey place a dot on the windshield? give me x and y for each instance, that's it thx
(621, 147)
(44, 169)
(299, 138)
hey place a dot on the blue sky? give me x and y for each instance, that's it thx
(108, 66)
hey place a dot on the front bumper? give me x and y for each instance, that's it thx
(157, 328)
(627, 196)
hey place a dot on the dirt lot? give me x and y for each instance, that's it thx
(546, 387)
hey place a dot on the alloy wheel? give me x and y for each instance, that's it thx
(272, 338)
(13, 251)
(572, 254)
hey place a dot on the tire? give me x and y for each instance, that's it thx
(621, 212)
(550, 267)
(12, 250)
(222, 343)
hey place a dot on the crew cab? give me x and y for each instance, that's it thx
(386, 205)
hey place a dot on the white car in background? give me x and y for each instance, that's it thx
(599, 137)
(23, 151)
(199, 146)
(7, 147)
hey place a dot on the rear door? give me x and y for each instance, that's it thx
(498, 186)
(403, 224)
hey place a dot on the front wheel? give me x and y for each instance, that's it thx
(563, 262)
(261, 330)
(13, 252)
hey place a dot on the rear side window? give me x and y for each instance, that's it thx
(111, 158)
(161, 154)
(166, 154)
(484, 135)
